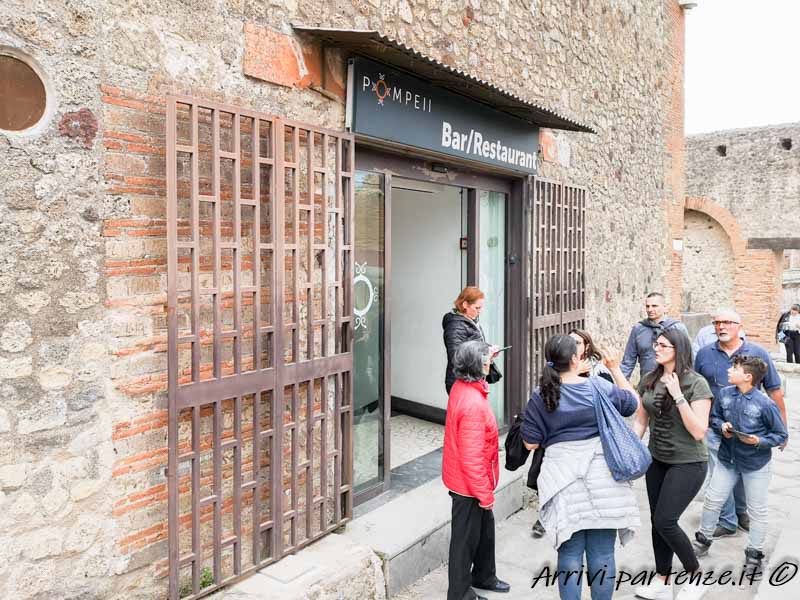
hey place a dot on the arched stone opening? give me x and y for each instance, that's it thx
(708, 264)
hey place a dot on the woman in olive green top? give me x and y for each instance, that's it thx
(677, 401)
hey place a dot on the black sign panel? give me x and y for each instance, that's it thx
(388, 104)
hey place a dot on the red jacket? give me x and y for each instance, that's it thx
(470, 465)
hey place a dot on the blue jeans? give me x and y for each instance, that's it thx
(735, 503)
(598, 545)
(756, 484)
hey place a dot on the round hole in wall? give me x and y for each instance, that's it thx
(23, 98)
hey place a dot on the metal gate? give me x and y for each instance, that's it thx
(557, 264)
(259, 219)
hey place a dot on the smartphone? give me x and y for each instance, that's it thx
(739, 433)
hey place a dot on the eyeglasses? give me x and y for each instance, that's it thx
(657, 345)
(725, 323)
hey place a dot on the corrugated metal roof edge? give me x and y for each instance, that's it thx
(398, 45)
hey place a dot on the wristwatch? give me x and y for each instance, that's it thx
(680, 400)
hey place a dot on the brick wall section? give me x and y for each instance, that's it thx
(756, 277)
(675, 181)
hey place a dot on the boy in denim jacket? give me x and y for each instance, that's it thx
(751, 425)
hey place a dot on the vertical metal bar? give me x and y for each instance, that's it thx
(278, 277)
(216, 233)
(257, 476)
(237, 244)
(323, 452)
(473, 237)
(197, 548)
(326, 179)
(172, 352)
(339, 281)
(256, 171)
(310, 455)
(295, 453)
(196, 251)
(296, 251)
(217, 455)
(337, 442)
(312, 193)
(237, 485)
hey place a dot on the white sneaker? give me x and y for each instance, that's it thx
(691, 592)
(658, 590)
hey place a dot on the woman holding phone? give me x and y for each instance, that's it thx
(461, 325)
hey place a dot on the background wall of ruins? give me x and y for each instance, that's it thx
(753, 175)
(758, 179)
(708, 264)
(82, 349)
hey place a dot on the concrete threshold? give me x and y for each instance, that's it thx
(378, 554)
(411, 534)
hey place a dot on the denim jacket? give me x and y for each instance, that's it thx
(754, 413)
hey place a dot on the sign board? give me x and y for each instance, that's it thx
(388, 104)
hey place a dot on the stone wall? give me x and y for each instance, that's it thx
(708, 264)
(754, 176)
(758, 178)
(82, 352)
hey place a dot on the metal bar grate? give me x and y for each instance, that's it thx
(556, 264)
(259, 291)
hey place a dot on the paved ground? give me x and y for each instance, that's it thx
(520, 557)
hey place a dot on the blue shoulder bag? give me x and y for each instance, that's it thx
(626, 456)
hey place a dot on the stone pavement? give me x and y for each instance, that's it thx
(520, 557)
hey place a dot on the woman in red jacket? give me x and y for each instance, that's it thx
(470, 470)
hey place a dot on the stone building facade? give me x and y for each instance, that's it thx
(742, 222)
(83, 376)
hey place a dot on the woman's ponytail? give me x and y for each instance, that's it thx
(558, 352)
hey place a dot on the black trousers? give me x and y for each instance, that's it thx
(471, 548)
(792, 343)
(670, 489)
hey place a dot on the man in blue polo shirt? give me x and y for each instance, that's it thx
(713, 362)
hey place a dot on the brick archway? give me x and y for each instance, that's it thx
(757, 274)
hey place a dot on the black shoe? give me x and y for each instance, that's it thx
(538, 530)
(744, 521)
(497, 586)
(721, 531)
(752, 563)
(701, 544)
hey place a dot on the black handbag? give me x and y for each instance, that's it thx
(494, 374)
(516, 452)
(536, 468)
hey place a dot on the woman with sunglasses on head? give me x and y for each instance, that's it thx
(677, 402)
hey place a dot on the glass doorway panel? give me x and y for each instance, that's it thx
(492, 281)
(368, 292)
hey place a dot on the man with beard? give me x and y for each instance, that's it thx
(713, 362)
(644, 333)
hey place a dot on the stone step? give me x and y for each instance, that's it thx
(411, 534)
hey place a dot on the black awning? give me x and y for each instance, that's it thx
(377, 46)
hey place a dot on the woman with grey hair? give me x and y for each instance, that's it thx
(471, 470)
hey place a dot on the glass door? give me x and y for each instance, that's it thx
(369, 291)
(491, 255)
